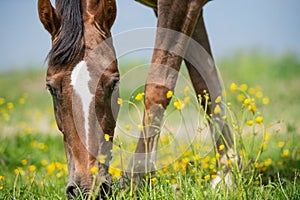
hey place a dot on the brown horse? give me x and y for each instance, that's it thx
(82, 76)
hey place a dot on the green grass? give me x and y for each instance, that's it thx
(33, 165)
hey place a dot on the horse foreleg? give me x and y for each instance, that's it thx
(206, 80)
(176, 23)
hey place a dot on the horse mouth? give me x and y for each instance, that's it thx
(74, 192)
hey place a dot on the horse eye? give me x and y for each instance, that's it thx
(115, 84)
(51, 89)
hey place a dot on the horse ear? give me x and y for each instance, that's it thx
(49, 17)
(106, 13)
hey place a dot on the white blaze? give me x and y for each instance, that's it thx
(80, 78)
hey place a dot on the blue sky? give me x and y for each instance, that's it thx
(233, 25)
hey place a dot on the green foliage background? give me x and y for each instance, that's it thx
(28, 132)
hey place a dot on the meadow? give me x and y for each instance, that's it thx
(262, 103)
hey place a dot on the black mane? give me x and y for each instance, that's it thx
(69, 44)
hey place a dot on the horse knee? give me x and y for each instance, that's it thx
(156, 96)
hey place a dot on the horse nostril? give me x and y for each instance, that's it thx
(71, 191)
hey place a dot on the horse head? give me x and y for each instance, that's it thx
(82, 76)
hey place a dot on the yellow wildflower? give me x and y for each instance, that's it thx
(10, 105)
(139, 96)
(213, 176)
(229, 162)
(106, 137)
(252, 107)
(280, 144)
(268, 162)
(128, 127)
(166, 169)
(50, 168)
(102, 158)
(244, 87)
(1, 187)
(94, 170)
(44, 162)
(266, 100)
(169, 94)
(196, 157)
(116, 173)
(256, 165)
(186, 90)
(217, 109)
(259, 94)
(120, 101)
(218, 99)
(206, 159)
(280, 163)
(217, 155)
(221, 147)
(185, 160)
(259, 119)
(285, 153)
(19, 170)
(224, 117)
(250, 122)
(31, 168)
(24, 162)
(207, 177)
(2, 178)
(206, 96)
(247, 102)
(43, 146)
(178, 104)
(153, 180)
(233, 87)
(58, 165)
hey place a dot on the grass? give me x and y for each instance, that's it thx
(33, 164)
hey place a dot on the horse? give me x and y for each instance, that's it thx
(82, 78)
